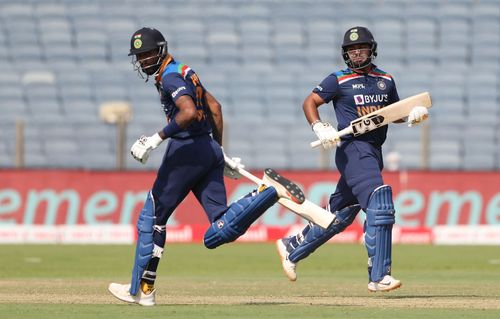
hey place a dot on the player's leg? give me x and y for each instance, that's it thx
(146, 251)
(378, 240)
(297, 247)
(227, 226)
(363, 175)
(173, 183)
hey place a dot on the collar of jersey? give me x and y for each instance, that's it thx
(163, 66)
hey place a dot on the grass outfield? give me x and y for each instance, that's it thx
(246, 281)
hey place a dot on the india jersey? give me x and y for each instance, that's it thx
(177, 80)
(354, 95)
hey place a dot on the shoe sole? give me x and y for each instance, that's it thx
(121, 299)
(132, 301)
(282, 259)
(293, 190)
(387, 290)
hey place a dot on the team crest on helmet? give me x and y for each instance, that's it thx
(220, 224)
(381, 85)
(137, 41)
(354, 35)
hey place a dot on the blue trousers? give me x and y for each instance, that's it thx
(360, 165)
(194, 164)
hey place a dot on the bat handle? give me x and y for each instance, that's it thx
(242, 171)
(346, 131)
(315, 144)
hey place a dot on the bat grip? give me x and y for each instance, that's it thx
(347, 130)
(242, 171)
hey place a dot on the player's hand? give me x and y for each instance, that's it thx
(417, 114)
(143, 146)
(328, 136)
(231, 166)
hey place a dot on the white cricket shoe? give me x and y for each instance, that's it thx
(284, 187)
(122, 292)
(288, 266)
(387, 283)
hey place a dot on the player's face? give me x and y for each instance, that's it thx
(359, 53)
(147, 60)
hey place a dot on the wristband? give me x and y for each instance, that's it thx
(313, 123)
(171, 129)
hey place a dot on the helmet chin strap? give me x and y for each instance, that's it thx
(141, 71)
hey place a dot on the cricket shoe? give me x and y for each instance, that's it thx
(284, 187)
(122, 292)
(387, 283)
(288, 266)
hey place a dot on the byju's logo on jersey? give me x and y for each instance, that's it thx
(359, 99)
(370, 99)
(358, 86)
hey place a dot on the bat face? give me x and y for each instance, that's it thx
(369, 123)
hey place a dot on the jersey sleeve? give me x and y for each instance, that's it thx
(176, 86)
(328, 88)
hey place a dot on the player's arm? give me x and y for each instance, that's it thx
(174, 85)
(145, 144)
(324, 131)
(310, 107)
(185, 116)
(215, 117)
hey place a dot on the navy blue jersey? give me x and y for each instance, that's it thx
(178, 79)
(354, 95)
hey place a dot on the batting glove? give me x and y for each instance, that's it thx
(231, 166)
(328, 136)
(143, 146)
(417, 114)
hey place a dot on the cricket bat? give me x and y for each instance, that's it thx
(384, 116)
(307, 209)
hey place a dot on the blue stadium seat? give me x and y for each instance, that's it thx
(84, 10)
(253, 11)
(50, 10)
(259, 61)
(17, 11)
(409, 153)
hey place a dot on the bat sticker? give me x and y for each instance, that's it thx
(367, 124)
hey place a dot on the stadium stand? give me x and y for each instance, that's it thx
(61, 58)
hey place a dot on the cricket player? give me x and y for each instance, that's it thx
(359, 89)
(193, 161)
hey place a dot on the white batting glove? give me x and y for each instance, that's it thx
(143, 146)
(231, 166)
(328, 136)
(417, 114)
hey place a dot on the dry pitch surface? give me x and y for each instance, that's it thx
(438, 282)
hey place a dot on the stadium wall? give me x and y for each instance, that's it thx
(57, 206)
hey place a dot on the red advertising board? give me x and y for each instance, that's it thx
(423, 200)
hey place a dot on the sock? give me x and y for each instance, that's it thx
(149, 276)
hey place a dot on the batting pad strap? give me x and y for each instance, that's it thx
(317, 236)
(238, 218)
(378, 232)
(145, 245)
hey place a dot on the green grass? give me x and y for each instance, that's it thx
(246, 281)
